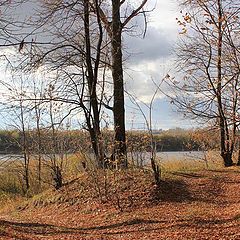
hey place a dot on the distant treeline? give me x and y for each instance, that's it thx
(78, 140)
(11, 141)
(179, 139)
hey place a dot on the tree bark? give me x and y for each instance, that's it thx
(120, 151)
(25, 149)
(92, 116)
(226, 152)
(238, 162)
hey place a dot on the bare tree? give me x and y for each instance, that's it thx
(68, 38)
(208, 60)
(148, 121)
(37, 113)
(72, 49)
(115, 22)
(19, 112)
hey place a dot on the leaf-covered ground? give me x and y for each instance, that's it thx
(205, 205)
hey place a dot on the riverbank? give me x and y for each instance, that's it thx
(188, 205)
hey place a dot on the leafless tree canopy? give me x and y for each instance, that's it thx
(208, 60)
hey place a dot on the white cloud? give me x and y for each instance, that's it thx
(142, 78)
(164, 14)
(151, 57)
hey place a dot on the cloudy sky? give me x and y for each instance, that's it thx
(152, 58)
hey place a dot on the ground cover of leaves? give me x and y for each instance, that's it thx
(203, 205)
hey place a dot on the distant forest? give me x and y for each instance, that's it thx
(77, 140)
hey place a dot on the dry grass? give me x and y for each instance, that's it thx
(211, 161)
(189, 205)
(192, 203)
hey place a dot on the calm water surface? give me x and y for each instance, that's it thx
(194, 155)
(140, 156)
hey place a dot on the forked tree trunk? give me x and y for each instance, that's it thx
(114, 28)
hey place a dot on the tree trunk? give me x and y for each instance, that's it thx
(120, 151)
(58, 179)
(25, 149)
(226, 153)
(26, 171)
(93, 115)
(227, 158)
(238, 162)
(96, 141)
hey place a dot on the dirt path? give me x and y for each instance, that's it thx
(193, 206)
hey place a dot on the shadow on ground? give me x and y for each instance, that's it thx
(172, 191)
(194, 187)
(37, 229)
